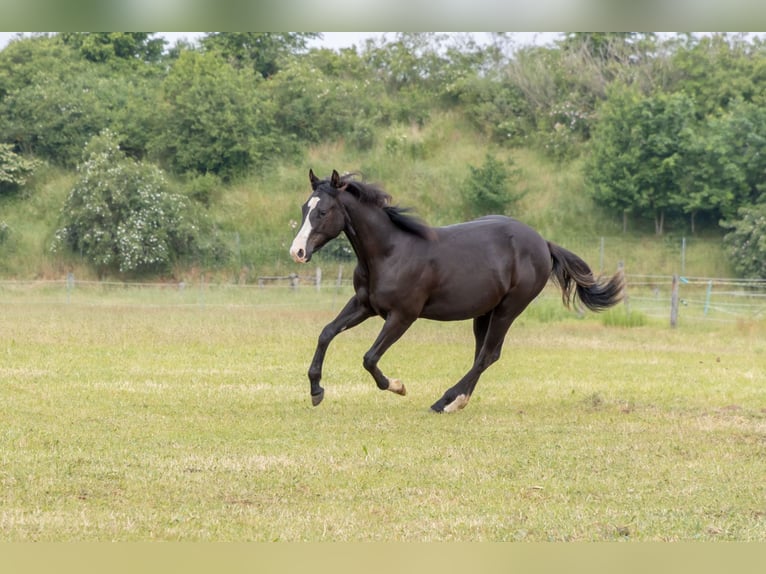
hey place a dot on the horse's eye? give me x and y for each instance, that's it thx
(322, 212)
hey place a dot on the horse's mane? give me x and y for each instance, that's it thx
(372, 194)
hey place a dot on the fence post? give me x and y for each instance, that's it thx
(708, 294)
(69, 286)
(319, 279)
(601, 256)
(625, 297)
(683, 256)
(674, 302)
(340, 277)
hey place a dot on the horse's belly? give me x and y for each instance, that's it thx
(466, 298)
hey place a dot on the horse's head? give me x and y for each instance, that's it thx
(323, 217)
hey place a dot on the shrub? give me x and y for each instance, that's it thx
(121, 214)
(746, 242)
(15, 169)
(487, 189)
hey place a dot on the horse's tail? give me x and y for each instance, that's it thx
(569, 271)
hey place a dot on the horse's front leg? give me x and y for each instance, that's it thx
(395, 326)
(354, 313)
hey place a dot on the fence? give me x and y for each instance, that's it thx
(697, 298)
(261, 253)
(665, 297)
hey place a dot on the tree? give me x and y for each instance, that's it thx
(262, 52)
(52, 100)
(108, 46)
(121, 214)
(325, 96)
(216, 118)
(24, 59)
(719, 70)
(639, 153)
(746, 242)
(487, 189)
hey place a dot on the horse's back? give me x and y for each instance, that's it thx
(477, 263)
(496, 235)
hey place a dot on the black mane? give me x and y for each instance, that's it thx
(372, 194)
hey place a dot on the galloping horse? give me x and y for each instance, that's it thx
(487, 270)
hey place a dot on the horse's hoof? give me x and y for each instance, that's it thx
(316, 399)
(458, 404)
(396, 386)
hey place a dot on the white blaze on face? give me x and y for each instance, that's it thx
(298, 248)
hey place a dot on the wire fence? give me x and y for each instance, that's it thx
(254, 253)
(656, 296)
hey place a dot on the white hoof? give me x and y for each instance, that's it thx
(460, 402)
(396, 386)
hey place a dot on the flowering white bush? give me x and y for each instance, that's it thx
(121, 215)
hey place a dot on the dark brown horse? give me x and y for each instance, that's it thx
(487, 270)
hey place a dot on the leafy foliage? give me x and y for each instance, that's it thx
(315, 103)
(488, 188)
(637, 163)
(15, 169)
(669, 129)
(121, 214)
(263, 52)
(108, 46)
(217, 118)
(746, 242)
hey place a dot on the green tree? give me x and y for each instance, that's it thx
(108, 46)
(488, 189)
(53, 101)
(746, 242)
(121, 215)
(263, 52)
(639, 153)
(327, 96)
(725, 164)
(719, 70)
(25, 58)
(217, 118)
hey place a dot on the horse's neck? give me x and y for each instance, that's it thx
(371, 232)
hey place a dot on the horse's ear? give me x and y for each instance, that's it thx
(335, 180)
(313, 179)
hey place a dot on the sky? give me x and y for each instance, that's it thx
(338, 40)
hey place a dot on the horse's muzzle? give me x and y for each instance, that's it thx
(300, 255)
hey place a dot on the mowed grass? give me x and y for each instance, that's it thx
(126, 420)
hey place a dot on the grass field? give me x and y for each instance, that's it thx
(135, 415)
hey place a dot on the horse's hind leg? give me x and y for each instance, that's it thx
(480, 327)
(495, 326)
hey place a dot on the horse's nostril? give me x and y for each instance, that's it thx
(301, 254)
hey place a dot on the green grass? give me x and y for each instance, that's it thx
(425, 172)
(137, 414)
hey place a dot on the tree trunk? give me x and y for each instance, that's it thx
(659, 222)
